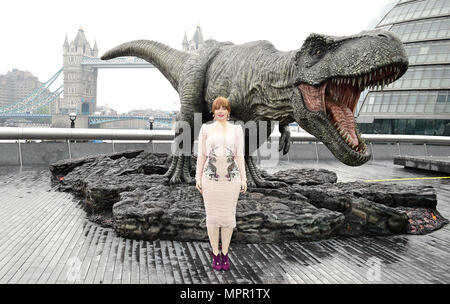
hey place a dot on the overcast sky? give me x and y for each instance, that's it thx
(33, 33)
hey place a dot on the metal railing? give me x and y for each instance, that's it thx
(68, 134)
(17, 133)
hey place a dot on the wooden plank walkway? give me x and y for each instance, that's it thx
(46, 238)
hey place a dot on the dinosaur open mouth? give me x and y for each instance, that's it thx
(338, 96)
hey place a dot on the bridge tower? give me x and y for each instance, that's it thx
(80, 81)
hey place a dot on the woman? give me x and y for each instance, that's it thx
(220, 174)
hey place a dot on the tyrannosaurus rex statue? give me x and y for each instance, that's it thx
(317, 86)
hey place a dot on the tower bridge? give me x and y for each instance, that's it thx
(79, 72)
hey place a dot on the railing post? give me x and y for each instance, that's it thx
(373, 152)
(426, 150)
(20, 153)
(70, 152)
(399, 150)
(317, 151)
(113, 148)
(151, 144)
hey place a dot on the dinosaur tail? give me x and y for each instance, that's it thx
(167, 60)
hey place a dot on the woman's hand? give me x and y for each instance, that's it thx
(243, 186)
(199, 186)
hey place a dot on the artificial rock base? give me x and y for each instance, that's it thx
(127, 191)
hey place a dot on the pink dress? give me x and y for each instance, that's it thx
(221, 170)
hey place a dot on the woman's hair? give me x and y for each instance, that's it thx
(221, 101)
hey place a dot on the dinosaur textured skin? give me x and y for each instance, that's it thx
(317, 86)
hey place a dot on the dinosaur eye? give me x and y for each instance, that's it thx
(318, 51)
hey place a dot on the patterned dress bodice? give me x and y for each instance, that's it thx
(221, 151)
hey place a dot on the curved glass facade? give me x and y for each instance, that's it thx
(423, 78)
(417, 10)
(418, 102)
(422, 30)
(428, 52)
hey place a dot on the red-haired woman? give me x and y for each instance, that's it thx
(220, 176)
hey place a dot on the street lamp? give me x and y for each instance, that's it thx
(72, 117)
(151, 120)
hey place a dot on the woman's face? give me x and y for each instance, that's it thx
(221, 114)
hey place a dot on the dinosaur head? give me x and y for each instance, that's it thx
(331, 72)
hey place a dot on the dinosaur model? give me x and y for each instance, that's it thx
(317, 86)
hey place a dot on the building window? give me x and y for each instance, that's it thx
(417, 9)
(431, 29)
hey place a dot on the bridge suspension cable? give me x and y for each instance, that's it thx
(32, 97)
(42, 101)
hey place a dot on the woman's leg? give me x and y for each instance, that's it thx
(213, 233)
(226, 238)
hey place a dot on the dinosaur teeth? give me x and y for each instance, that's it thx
(347, 139)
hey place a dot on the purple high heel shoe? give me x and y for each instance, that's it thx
(225, 261)
(216, 264)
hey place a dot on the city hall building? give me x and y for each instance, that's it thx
(418, 102)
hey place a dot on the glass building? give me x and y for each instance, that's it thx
(418, 102)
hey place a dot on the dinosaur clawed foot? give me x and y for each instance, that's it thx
(256, 180)
(178, 171)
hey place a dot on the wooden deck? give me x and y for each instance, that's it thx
(46, 238)
(433, 163)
